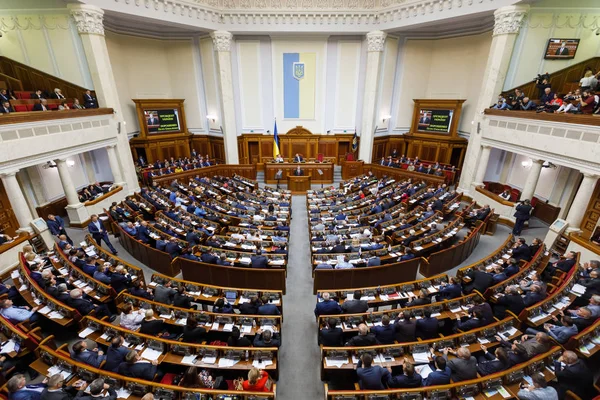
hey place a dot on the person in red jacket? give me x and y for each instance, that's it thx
(257, 381)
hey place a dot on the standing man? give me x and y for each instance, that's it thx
(522, 212)
(99, 233)
(57, 227)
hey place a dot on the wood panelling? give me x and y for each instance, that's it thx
(426, 147)
(180, 146)
(8, 222)
(562, 81)
(33, 79)
(258, 148)
(592, 214)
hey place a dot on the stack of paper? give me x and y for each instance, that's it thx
(55, 315)
(261, 364)
(151, 354)
(334, 363)
(421, 358)
(423, 370)
(209, 359)
(189, 359)
(123, 393)
(86, 332)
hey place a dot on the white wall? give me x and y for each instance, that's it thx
(550, 19)
(209, 77)
(52, 185)
(46, 40)
(441, 69)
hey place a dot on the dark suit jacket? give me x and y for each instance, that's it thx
(153, 327)
(94, 230)
(38, 107)
(406, 330)
(565, 265)
(480, 280)
(193, 335)
(355, 306)
(384, 334)
(577, 378)
(66, 393)
(521, 253)
(522, 212)
(84, 307)
(450, 292)
(490, 365)
(143, 234)
(331, 337)
(4, 111)
(120, 282)
(114, 357)
(513, 303)
(373, 378)
(338, 248)
(428, 328)
(298, 173)
(359, 341)
(329, 307)
(259, 261)
(140, 370)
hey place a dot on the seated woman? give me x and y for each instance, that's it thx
(131, 319)
(505, 195)
(257, 381)
(202, 380)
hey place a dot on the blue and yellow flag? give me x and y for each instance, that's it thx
(275, 142)
(355, 141)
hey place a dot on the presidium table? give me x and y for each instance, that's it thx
(308, 169)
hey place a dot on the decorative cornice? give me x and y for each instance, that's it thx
(89, 19)
(508, 20)
(376, 41)
(222, 40)
(38, 22)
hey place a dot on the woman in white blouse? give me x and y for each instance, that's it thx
(131, 319)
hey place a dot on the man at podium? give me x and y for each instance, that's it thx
(298, 158)
(298, 172)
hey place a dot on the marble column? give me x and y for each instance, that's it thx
(507, 23)
(114, 164)
(88, 165)
(375, 47)
(76, 211)
(532, 180)
(581, 201)
(89, 20)
(17, 201)
(222, 41)
(484, 158)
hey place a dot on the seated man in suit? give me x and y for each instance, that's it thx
(356, 305)
(572, 374)
(172, 247)
(371, 377)
(473, 322)
(511, 301)
(533, 296)
(463, 366)
(331, 335)
(115, 354)
(18, 389)
(266, 339)
(258, 260)
(480, 280)
(428, 326)
(120, 280)
(450, 290)
(267, 308)
(364, 338)
(327, 306)
(143, 234)
(58, 390)
(408, 378)
(135, 367)
(298, 158)
(84, 307)
(406, 328)
(6, 108)
(521, 251)
(41, 106)
(562, 265)
(80, 352)
(89, 101)
(440, 373)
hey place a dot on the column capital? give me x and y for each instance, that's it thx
(534, 161)
(589, 175)
(88, 18)
(376, 40)
(486, 146)
(9, 173)
(222, 40)
(508, 19)
(111, 146)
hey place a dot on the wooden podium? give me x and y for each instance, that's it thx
(298, 184)
(350, 169)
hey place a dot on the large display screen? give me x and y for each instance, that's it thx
(162, 120)
(436, 121)
(561, 49)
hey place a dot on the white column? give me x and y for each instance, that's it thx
(375, 46)
(67, 182)
(89, 21)
(222, 41)
(581, 201)
(17, 200)
(88, 164)
(114, 164)
(484, 158)
(532, 180)
(506, 27)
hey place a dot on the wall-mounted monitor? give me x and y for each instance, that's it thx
(561, 49)
(162, 120)
(160, 117)
(434, 120)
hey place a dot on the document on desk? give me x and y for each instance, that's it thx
(510, 332)
(423, 370)
(421, 358)
(578, 289)
(55, 315)
(335, 363)
(228, 328)
(23, 288)
(56, 370)
(226, 362)
(151, 354)
(44, 310)
(261, 364)
(189, 359)
(9, 347)
(15, 274)
(86, 332)
(123, 393)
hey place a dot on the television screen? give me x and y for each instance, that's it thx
(162, 120)
(437, 121)
(561, 49)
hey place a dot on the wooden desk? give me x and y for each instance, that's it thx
(309, 169)
(298, 184)
(350, 169)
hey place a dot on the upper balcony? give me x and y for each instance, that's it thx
(30, 138)
(565, 139)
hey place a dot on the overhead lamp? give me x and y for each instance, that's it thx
(527, 163)
(70, 162)
(386, 117)
(212, 117)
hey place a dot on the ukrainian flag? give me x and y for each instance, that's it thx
(299, 76)
(275, 141)
(355, 141)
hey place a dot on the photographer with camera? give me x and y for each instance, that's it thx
(542, 81)
(587, 102)
(527, 104)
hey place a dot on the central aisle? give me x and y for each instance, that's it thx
(299, 355)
